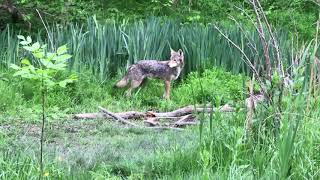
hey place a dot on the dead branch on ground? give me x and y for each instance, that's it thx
(179, 118)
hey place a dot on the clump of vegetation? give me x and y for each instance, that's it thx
(10, 97)
(213, 85)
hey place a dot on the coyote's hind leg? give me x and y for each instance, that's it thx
(134, 84)
(122, 83)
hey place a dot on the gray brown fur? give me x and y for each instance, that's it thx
(164, 70)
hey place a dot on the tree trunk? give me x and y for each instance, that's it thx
(9, 6)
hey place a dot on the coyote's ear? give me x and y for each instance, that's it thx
(180, 52)
(172, 51)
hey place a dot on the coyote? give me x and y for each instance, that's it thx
(165, 70)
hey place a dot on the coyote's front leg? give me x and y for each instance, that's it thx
(166, 94)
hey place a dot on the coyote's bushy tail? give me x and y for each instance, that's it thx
(123, 82)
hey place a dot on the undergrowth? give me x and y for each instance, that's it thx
(102, 150)
(88, 93)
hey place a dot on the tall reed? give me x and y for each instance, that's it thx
(106, 48)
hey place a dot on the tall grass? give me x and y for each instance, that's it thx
(109, 47)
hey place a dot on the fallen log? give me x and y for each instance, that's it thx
(190, 110)
(118, 118)
(170, 115)
(124, 115)
(185, 120)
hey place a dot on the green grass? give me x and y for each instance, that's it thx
(89, 149)
(99, 149)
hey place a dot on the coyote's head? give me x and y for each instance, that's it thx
(176, 59)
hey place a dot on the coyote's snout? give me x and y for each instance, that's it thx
(165, 70)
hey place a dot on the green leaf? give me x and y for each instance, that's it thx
(4, 79)
(21, 37)
(39, 54)
(50, 56)
(62, 58)
(29, 76)
(44, 46)
(46, 63)
(62, 49)
(49, 83)
(29, 39)
(15, 67)
(65, 82)
(59, 67)
(25, 62)
(24, 43)
(73, 77)
(28, 48)
(20, 73)
(36, 46)
(32, 69)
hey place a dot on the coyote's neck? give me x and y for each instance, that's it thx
(176, 73)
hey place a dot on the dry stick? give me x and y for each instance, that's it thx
(186, 123)
(45, 28)
(191, 109)
(250, 41)
(124, 115)
(274, 42)
(263, 42)
(311, 83)
(250, 109)
(254, 25)
(113, 115)
(247, 61)
(278, 58)
(182, 120)
(118, 118)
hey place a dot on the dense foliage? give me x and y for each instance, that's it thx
(296, 16)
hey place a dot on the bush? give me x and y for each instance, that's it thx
(211, 85)
(10, 98)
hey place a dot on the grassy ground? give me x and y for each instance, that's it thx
(101, 149)
(88, 145)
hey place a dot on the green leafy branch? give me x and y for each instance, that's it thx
(48, 64)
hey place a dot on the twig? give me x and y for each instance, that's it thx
(118, 118)
(246, 59)
(274, 42)
(46, 29)
(250, 109)
(182, 120)
(263, 41)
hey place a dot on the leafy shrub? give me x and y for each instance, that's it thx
(10, 98)
(211, 85)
